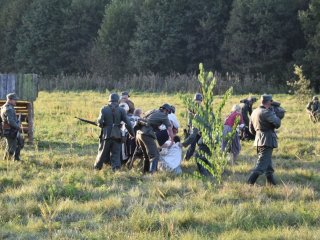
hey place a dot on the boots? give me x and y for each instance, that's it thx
(271, 180)
(253, 178)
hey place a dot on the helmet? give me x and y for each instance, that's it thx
(198, 97)
(315, 98)
(114, 97)
(167, 107)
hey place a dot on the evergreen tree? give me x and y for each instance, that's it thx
(310, 20)
(56, 35)
(11, 12)
(175, 35)
(111, 51)
(262, 36)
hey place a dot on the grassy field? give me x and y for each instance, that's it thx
(55, 194)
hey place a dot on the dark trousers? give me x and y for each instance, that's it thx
(150, 152)
(191, 149)
(13, 148)
(264, 163)
(202, 161)
(109, 152)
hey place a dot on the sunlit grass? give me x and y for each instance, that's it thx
(57, 171)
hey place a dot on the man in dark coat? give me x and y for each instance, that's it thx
(263, 124)
(198, 98)
(246, 111)
(110, 140)
(146, 137)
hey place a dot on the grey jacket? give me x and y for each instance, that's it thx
(263, 123)
(8, 115)
(110, 117)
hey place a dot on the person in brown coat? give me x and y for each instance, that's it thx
(125, 99)
(263, 123)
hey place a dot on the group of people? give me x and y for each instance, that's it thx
(154, 135)
(127, 134)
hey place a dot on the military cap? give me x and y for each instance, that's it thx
(12, 96)
(315, 98)
(266, 97)
(114, 97)
(198, 97)
(167, 107)
(125, 94)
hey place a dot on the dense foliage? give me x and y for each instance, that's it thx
(122, 37)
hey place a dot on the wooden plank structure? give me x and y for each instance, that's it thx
(26, 88)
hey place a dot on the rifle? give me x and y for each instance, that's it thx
(87, 121)
(20, 126)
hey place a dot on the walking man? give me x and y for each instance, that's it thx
(263, 124)
(110, 139)
(11, 128)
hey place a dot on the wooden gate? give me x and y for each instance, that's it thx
(26, 88)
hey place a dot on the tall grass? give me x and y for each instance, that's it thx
(83, 204)
(156, 83)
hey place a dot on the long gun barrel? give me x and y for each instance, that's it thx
(87, 121)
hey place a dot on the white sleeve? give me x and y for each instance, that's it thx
(174, 121)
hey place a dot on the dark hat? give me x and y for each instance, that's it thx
(125, 94)
(252, 99)
(198, 97)
(167, 107)
(266, 97)
(173, 109)
(315, 98)
(114, 97)
(12, 96)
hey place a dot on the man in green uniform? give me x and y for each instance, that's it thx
(263, 124)
(11, 128)
(313, 109)
(146, 137)
(110, 139)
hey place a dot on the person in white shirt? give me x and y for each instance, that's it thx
(171, 156)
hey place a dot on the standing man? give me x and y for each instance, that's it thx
(263, 124)
(11, 128)
(146, 137)
(125, 99)
(110, 139)
(313, 109)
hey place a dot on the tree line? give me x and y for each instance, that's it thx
(123, 37)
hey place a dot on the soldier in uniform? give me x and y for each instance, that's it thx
(110, 139)
(11, 128)
(125, 99)
(192, 146)
(263, 123)
(313, 109)
(146, 137)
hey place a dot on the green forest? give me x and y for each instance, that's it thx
(126, 37)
